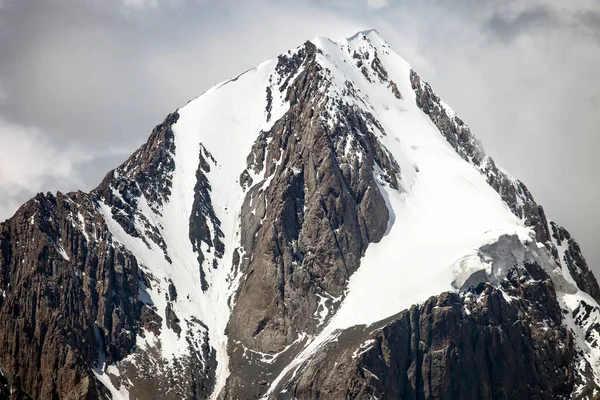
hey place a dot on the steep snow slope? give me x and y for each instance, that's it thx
(222, 124)
(225, 120)
(445, 211)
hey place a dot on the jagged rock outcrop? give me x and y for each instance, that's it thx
(450, 347)
(324, 207)
(68, 295)
(134, 196)
(72, 297)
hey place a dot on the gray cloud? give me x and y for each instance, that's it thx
(508, 27)
(377, 3)
(589, 21)
(30, 163)
(97, 75)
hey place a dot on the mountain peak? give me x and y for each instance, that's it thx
(369, 33)
(322, 225)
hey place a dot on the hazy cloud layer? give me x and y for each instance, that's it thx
(94, 77)
(509, 27)
(31, 162)
(377, 3)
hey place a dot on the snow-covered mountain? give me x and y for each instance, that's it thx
(320, 226)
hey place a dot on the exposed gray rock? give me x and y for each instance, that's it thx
(305, 232)
(60, 287)
(202, 212)
(471, 346)
(71, 295)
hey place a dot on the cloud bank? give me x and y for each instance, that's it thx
(31, 162)
(98, 75)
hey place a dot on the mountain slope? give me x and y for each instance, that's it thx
(266, 239)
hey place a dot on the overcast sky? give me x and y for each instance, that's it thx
(83, 82)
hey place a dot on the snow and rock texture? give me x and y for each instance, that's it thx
(320, 226)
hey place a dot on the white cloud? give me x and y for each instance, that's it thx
(140, 3)
(520, 73)
(30, 162)
(377, 3)
(154, 4)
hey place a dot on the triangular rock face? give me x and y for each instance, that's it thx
(321, 226)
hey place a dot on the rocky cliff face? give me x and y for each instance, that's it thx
(314, 255)
(485, 343)
(324, 207)
(67, 296)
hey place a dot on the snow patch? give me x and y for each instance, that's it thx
(101, 371)
(63, 253)
(364, 347)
